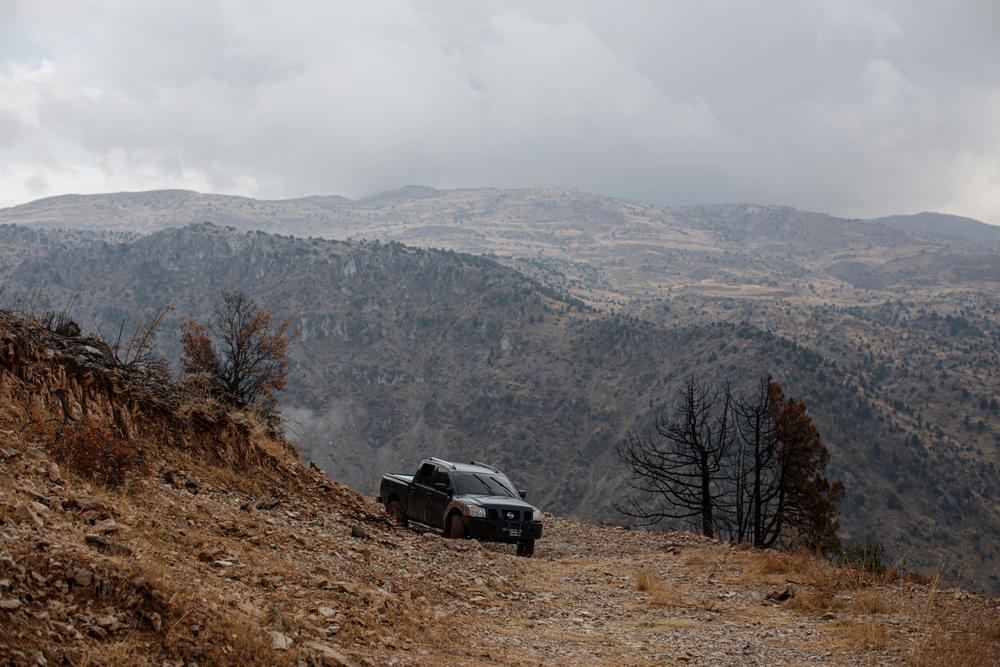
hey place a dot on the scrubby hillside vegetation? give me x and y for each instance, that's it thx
(212, 542)
(889, 337)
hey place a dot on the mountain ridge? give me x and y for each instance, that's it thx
(967, 233)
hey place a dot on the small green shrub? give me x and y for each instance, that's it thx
(868, 556)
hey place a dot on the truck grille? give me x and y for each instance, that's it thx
(508, 514)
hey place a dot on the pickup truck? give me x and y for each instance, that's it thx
(463, 500)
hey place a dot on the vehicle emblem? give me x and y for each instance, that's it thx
(510, 515)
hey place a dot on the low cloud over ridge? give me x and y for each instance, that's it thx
(853, 108)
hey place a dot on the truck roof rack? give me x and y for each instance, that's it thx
(477, 463)
(442, 462)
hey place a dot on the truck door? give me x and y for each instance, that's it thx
(419, 491)
(438, 496)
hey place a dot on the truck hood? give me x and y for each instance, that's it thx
(494, 501)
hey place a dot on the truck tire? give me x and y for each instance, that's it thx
(456, 527)
(526, 548)
(395, 510)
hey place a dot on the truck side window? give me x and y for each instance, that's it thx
(440, 476)
(423, 475)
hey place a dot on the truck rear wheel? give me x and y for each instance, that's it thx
(395, 510)
(456, 527)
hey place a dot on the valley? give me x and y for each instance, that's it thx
(549, 322)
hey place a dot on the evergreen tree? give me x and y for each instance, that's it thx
(808, 502)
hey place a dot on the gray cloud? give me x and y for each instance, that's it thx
(855, 108)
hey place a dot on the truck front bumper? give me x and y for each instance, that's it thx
(503, 531)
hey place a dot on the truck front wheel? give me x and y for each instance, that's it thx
(525, 548)
(456, 527)
(395, 510)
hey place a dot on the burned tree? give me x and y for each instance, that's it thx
(754, 479)
(777, 485)
(751, 467)
(676, 475)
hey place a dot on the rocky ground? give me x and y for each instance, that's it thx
(184, 566)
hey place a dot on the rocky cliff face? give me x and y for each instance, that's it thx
(52, 379)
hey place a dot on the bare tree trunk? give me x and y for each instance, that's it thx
(680, 478)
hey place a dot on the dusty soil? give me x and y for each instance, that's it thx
(313, 572)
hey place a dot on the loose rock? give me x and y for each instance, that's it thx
(280, 642)
(104, 545)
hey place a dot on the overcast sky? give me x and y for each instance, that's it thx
(858, 109)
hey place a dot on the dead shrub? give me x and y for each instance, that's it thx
(93, 450)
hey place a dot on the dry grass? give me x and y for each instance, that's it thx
(818, 600)
(262, 435)
(976, 644)
(871, 600)
(663, 593)
(953, 638)
(196, 622)
(250, 483)
(709, 559)
(821, 587)
(870, 635)
(123, 651)
(776, 568)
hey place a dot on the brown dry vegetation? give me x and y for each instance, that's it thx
(229, 550)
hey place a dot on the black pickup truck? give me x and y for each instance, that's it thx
(463, 500)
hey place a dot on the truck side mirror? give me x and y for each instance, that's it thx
(441, 486)
(522, 493)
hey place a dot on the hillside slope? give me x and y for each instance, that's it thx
(221, 547)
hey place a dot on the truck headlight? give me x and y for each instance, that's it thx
(536, 515)
(476, 510)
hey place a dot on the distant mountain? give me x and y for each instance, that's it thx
(964, 233)
(405, 192)
(579, 241)
(557, 320)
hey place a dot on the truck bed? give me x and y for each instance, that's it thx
(402, 479)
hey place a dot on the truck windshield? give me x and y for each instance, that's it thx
(483, 484)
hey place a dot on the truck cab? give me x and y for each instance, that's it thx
(430, 493)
